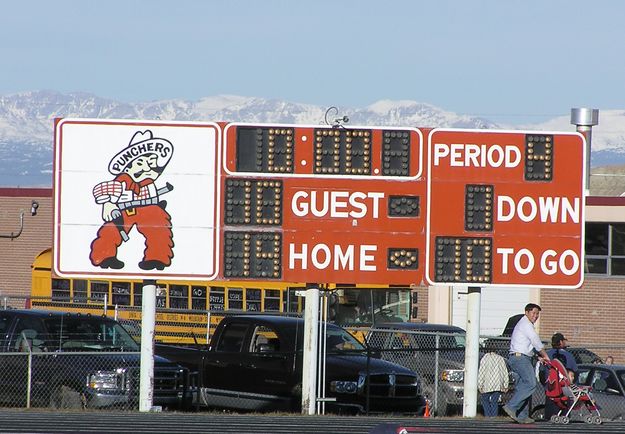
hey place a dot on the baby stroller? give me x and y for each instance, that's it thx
(568, 396)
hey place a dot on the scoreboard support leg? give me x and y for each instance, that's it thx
(311, 346)
(472, 351)
(148, 322)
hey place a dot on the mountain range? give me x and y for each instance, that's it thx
(26, 123)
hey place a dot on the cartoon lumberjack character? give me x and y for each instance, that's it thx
(132, 200)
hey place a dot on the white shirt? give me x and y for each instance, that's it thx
(524, 338)
(493, 374)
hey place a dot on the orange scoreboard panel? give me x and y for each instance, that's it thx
(323, 204)
(505, 208)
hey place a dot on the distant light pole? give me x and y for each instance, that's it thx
(585, 119)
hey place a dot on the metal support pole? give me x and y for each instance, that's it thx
(30, 376)
(148, 321)
(311, 346)
(584, 119)
(472, 351)
(437, 369)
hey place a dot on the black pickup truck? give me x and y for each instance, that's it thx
(254, 362)
(59, 360)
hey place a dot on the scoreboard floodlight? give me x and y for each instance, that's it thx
(505, 208)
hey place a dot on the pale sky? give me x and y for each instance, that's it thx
(507, 60)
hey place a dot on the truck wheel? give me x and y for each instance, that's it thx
(66, 397)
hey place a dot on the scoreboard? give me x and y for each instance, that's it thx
(279, 202)
(505, 208)
(323, 204)
(317, 203)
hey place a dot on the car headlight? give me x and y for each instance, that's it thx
(106, 380)
(452, 375)
(344, 386)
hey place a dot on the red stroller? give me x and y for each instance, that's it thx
(568, 396)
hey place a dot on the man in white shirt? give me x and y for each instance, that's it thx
(524, 342)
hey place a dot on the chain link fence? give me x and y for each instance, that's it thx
(438, 358)
(56, 360)
(85, 380)
(36, 375)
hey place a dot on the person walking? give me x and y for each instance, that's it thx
(492, 381)
(524, 342)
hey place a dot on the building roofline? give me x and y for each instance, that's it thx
(25, 192)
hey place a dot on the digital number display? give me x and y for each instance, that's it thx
(538, 157)
(478, 207)
(253, 255)
(396, 153)
(403, 259)
(265, 149)
(323, 150)
(465, 260)
(403, 206)
(253, 202)
(340, 151)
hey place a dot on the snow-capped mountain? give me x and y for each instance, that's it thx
(26, 123)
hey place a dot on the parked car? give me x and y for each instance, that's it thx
(78, 361)
(254, 362)
(608, 388)
(434, 351)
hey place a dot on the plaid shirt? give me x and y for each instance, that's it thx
(123, 189)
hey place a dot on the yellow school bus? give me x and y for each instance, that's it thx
(188, 311)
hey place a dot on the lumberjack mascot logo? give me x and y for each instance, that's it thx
(132, 199)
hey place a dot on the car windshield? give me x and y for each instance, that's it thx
(88, 334)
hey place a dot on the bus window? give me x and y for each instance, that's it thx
(161, 297)
(60, 290)
(378, 305)
(121, 293)
(178, 296)
(216, 299)
(292, 301)
(272, 300)
(99, 290)
(80, 291)
(198, 297)
(252, 300)
(137, 290)
(235, 298)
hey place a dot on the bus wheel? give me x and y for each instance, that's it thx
(66, 397)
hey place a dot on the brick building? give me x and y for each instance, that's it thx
(20, 243)
(590, 315)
